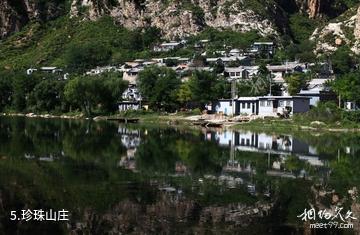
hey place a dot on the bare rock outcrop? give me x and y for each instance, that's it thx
(357, 25)
(314, 8)
(176, 19)
(16, 14)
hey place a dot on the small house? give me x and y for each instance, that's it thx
(242, 72)
(168, 46)
(263, 48)
(262, 106)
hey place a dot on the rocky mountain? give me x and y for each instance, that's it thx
(175, 18)
(178, 19)
(15, 14)
(345, 30)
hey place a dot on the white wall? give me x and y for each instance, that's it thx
(225, 108)
(267, 109)
(247, 110)
(125, 107)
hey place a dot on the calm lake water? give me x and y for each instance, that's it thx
(134, 179)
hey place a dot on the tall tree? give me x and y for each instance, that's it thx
(348, 87)
(295, 83)
(159, 86)
(206, 86)
(5, 91)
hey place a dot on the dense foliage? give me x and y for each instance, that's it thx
(163, 90)
(47, 93)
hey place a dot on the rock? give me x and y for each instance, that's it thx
(314, 7)
(335, 198)
(357, 25)
(317, 123)
(16, 14)
(175, 19)
(338, 41)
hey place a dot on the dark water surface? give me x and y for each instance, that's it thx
(117, 179)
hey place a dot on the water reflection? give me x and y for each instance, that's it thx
(111, 175)
(130, 139)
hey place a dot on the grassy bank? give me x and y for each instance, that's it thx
(317, 120)
(293, 125)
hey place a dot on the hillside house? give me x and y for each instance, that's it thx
(227, 60)
(242, 72)
(168, 46)
(262, 48)
(318, 91)
(264, 106)
(278, 72)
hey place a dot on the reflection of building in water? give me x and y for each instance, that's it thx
(282, 145)
(130, 140)
(180, 168)
(260, 142)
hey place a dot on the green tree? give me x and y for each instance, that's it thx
(348, 87)
(48, 95)
(295, 83)
(84, 56)
(343, 60)
(5, 91)
(22, 87)
(184, 94)
(95, 92)
(159, 86)
(205, 87)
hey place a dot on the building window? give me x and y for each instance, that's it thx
(248, 105)
(281, 103)
(288, 103)
(268, 103)
(243, 105)
(262, 103)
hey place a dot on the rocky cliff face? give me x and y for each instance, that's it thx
(177, 19)
(345, 30)
(16, 14)
(357, 25)
(314, 8)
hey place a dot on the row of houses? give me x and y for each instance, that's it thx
(265, 48)
(57, 72)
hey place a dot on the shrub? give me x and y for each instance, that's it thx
(324, 112)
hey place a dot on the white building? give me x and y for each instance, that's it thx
(129, 105)
(131, 94)
(242, 72)
(263, 47)
(317, 90)
(278, 72)
(168, 46)
(265, 106)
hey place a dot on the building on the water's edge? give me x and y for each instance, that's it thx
(261, 106)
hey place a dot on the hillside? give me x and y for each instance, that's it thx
(344, 30)
(37, 32)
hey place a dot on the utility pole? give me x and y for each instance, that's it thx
(233, 95)
(269, 76)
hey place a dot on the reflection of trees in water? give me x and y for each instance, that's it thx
(87, 176)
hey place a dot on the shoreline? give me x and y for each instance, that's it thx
(277, 125)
